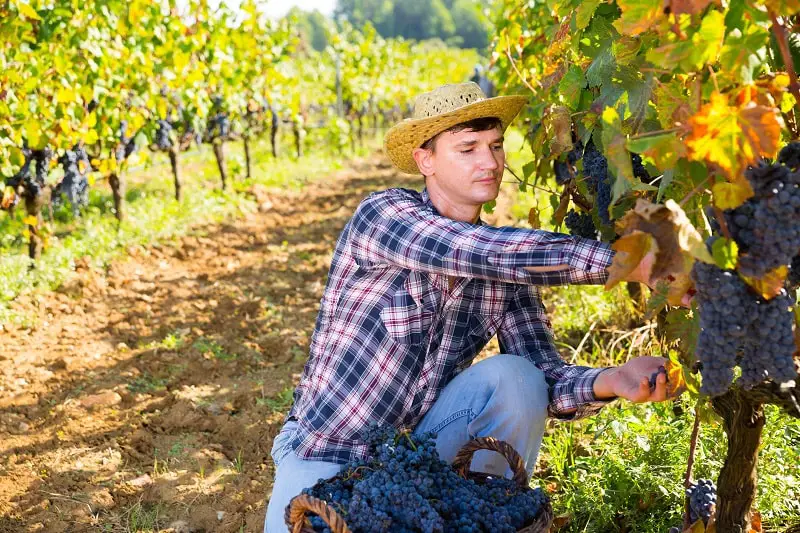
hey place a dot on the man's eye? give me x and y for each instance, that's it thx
(498, 147)
(466, 151)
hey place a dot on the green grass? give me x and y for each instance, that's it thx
(152, 214)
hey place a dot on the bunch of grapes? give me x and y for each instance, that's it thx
(32, 176)
(163, 139)
(404, 486)
(580, 224)
(595, 169)
(739, 327)
(75, 185)
(127, 145)
(766, 226)
(565, 170)
(702, 500)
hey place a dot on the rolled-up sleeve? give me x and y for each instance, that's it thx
(393, 227)
(525, 331)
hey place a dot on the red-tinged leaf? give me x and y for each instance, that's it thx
(563, 206)
(733, 137)
(691, 7)
(755, 522)
(9, 198)
(771, 285)
(638, 16)
(731, 195)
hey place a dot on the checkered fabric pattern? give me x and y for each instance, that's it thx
(391, 332)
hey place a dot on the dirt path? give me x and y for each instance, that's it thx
(148, 396)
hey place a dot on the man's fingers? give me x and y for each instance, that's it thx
(660, 394)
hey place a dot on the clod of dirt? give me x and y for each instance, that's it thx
(103, 399)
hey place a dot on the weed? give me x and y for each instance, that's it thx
(280, 402)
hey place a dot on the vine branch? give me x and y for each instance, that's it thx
(780, 36)
(687, 480)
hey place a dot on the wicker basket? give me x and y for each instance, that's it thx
(295, 515)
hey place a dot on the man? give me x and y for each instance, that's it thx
(417, 287)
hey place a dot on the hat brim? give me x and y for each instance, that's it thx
(401, 140)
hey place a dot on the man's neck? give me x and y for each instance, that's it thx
(447, 208)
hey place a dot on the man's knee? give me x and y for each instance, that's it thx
(516, 379)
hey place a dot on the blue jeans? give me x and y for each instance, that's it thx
(504, 396)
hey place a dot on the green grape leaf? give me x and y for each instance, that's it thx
(619, 160)
(725, 253)
(571, 85)
(584, 13)
(601, 69)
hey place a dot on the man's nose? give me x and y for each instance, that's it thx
(489, 159)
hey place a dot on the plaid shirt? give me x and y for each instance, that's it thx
(391, 333)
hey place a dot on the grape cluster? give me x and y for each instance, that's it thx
(595, 168)
(793, 280)
(580, 224)
(638, 168)
(75, 185)
(739, 327)
(766, 226)
(790, 155)
(127, 145)
(32, 176)
(163, 139)
(565, 170)
(405, 487)
(702, 500)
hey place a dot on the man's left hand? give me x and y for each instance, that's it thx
(632, 381)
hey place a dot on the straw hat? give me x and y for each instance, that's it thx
(443, 108)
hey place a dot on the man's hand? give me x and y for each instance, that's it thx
(632, 381)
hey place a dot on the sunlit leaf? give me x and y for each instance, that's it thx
(638, 15)
(731, 195)
(559, 126)
(27, 11)
(31, 220)
(631, 250)
(619, 159)
(664, 150)
(771, 284)
(726, 253)
(732, 136)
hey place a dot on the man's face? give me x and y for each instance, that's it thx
(467, 166)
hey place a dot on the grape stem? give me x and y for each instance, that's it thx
(779, 32)
(687, 481)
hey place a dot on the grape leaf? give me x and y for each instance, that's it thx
(631, 250)
(534, 218)
(571, 85)
(678, 243)
(782, 7)
(559, 126)
(731, 195)
(664, 149)
(691, 7)
(584, 13)
(619, 159)
(638, 16)
(733, 136)
(771, 284)
(726, 253)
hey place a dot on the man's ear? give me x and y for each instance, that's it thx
(424, 159)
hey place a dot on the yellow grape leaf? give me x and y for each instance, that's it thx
(733, 136)
(771, 285)
(731, 195)
(631, 250)
(559, 126)
(638, 16)
(783, 7)
(9, 197)
(28, 11)
(675, 382)
(697, 527)
(31, 220)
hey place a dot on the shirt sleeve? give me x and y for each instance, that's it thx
(526, 331)
(396, 228)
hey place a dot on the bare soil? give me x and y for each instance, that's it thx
(148, 395)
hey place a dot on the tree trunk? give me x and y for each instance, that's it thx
(247, 154)
(375, 122)
(743, 421)
(33, 207)
(118, 192)
(352, 136)
(173, 161)
(361, 130)
(218, 153)
(298, 142)
(274, 135)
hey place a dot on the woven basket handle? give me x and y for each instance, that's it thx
(464, 457)
(303, 503)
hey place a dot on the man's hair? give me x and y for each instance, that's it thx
(476, 124)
